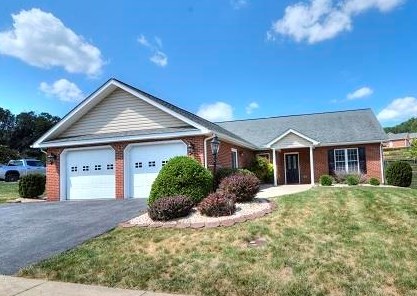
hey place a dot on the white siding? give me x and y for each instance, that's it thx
(291, 141)
(120, 112)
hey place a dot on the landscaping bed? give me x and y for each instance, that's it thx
(338, 241)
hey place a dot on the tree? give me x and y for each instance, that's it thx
(412, 151)
(7, 121)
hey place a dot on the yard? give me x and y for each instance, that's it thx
(8, 191)
(355, 241)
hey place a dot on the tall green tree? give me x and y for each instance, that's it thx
(7, 123)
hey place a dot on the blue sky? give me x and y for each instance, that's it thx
(223, 59)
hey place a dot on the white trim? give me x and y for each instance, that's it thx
(285, 166)
(312, 165)
(291, 131)
(205, 151)
(121, 139)
(346, 158)
(100, 94)
(126, 171)
(63, 168)
(381, 154)
(234, 150)
(274, 160)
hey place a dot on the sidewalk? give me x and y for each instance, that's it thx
(13, 286)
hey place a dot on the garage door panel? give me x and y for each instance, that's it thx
(146, 161)
(90, 174)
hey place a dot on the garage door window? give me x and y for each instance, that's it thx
(74, 169)
(138, 165)
(86, 168)
(97, 167)
(110, 166)
(151, 164)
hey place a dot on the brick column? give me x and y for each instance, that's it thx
(119, 149)
(53, 176)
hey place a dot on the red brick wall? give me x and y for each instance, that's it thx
(373, 160)
(398, 143)
(304, 164)
(53, 174)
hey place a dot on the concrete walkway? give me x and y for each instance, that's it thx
(13, 286)
(268, 191)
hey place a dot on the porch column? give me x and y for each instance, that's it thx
(274, 161)
(311, 165)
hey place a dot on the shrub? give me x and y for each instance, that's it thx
(168, 208)
(340, 176)
(399, 173)
(326, 180)
(352, 179)
(222, 173)
(374, 182)
(244, 187)
(262, 169)
(218, 204)
(32, 186)
(182, 175)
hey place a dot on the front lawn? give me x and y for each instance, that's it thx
(8, 191)
(355, 241)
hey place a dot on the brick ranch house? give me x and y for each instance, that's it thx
(113, 144)
(401, 140)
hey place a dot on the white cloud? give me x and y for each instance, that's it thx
(251, 107)
(239, 4)
(399, 109)
(218, 111)
(319, 20)
(62, 89)
(42, 40)
(158, 57)
(360, 93)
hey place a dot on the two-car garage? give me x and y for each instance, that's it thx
(90, 173)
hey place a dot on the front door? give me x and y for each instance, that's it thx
(292, 170)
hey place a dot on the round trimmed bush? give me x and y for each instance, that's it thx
(352, 180)
(262, 169)
(182, 175)
(168, 208)
(244, 187)
(374, 182)
(32, 186)
(399, 173)
(218, 204)
(326, 180)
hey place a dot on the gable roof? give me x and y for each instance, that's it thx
(341, 127)
(202, 126)
(399, 136)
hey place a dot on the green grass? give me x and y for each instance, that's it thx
(8, 191)
(337, 241)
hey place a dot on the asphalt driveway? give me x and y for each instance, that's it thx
(33, 232)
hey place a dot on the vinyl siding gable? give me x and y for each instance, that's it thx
(291, 141)
(120, 112)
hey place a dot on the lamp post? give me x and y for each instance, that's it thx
(215, 144)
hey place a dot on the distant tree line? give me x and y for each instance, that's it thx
(409, 126)
(18, 132)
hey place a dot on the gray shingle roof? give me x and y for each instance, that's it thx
(326, 128)
(399, 136)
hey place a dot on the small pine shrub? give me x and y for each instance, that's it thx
(374, 182)
(32, 186)
(182, 175)
(326, 180)
(352, 179)
(168, 208)
(262, 169)
(244, 187)
(218, 204)
(399, 173)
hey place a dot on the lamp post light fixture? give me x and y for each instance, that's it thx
(51, 158)
(215, 145)
(190, 149)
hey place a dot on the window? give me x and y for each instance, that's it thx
(74, 169)
(235, 163)
(110, 166)
(138, 165)
(86, 168)
(97, 167)
(15, 163)
(34, 163)
(346, 160)
(151, 163)
(164, 162)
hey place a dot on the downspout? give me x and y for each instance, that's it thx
(205, 151)
(382, 164)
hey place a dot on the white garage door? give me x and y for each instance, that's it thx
(90, 174)
(145, 162)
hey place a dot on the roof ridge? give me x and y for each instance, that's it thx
(295, 115)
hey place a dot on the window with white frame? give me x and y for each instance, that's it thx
(346, 160)
(235, 162)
